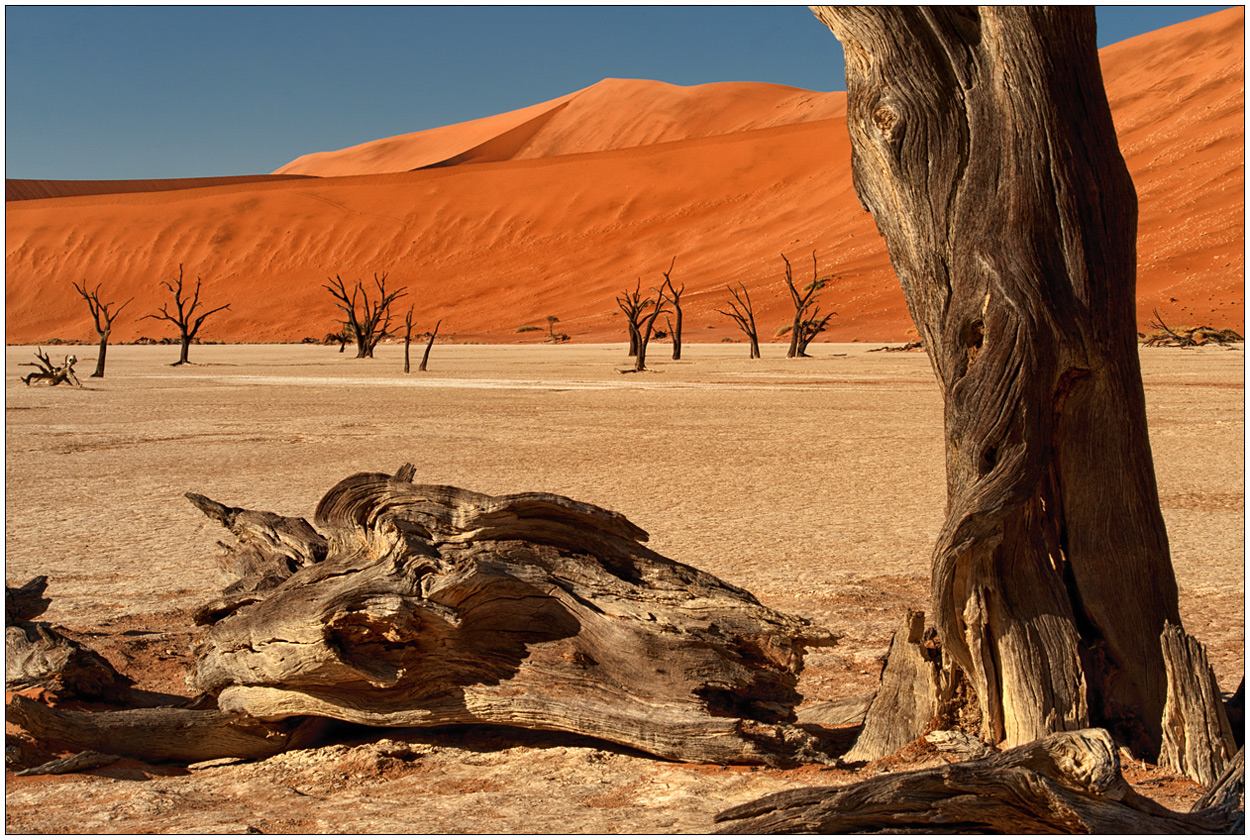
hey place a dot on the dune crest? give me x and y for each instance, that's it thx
(556, 208)
(612, 114)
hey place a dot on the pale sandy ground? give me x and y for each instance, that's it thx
(817, 484)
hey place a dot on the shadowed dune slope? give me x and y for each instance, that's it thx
(24, 189)
(557, 208)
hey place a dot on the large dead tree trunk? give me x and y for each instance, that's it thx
(983, 145)
(1065, 783)
(435, 605)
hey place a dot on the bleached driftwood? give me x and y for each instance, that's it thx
(1068, 782)
(435, 605)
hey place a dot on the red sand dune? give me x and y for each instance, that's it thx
(557, 208)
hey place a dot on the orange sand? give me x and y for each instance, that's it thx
(556, 208)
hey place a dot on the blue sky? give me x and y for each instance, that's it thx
(167, 92)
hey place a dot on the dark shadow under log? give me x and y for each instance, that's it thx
(435, 605)
(1069, 782)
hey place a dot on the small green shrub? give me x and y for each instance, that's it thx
(529, 329)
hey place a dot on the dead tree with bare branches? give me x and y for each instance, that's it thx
(367, 320)
(641, 321)
(806, 326)
(184, 317)
(103, 317)
(632, 305)
(743, 315)
(674, 297)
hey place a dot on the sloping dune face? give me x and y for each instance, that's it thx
(613, 114)
(557, 208)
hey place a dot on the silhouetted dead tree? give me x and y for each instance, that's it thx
(425, 357)
(641, 322)
(50, 373)
(103, 321)
(407, 338)
(367, 320)
(744, 316)
(806, 326)
(632, 305)
(674, 296)
(184, 317)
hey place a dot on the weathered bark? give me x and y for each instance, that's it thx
(88, 760)
(906, 701)
(743, 314)
(983, 145)
(36, 655)
(50, 373)
(103, 320)
(1197, 738)
(1067, 783)
(161, 734)
(268, 549)
(436, 605)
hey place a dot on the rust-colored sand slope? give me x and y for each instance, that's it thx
(555, 209)
(613, 114)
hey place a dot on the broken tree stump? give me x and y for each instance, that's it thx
(435, 605)
(906, 701)
(1197, 738)
(50, 373)
(1068, 782)
(36, 655)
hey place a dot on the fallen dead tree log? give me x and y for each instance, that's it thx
(1069, 782)
(160, 734)
(435, 605)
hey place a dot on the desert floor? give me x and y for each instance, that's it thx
(816, 483)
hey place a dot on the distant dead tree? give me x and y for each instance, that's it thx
(806, 326)
(103, 321)
(407, 339)
(744, 316)
(184, 318)
(641, 322)
(633, 305)
(425, 357)
(367, 320)
(50, 373)
(553, 336)
(674, 297)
